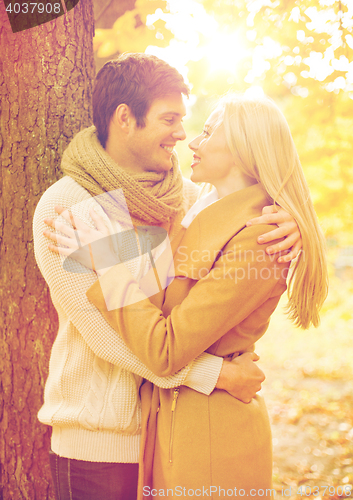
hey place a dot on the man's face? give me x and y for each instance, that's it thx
(150, 148)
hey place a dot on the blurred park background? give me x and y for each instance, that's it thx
(298, 52)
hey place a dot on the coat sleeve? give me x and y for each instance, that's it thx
(68, 293)
(243, 280)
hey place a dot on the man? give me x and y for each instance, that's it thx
(91, 395)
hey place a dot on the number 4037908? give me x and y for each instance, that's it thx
(33, 7)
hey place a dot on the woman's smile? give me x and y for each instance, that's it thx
(196, 161)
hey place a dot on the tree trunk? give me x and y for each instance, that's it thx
(46, 78)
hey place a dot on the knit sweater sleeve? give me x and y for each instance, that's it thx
(191, 192)
(68, 293)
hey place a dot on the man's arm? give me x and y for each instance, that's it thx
(242, 378)
(287, 229)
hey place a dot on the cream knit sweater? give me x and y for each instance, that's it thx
(91, 395)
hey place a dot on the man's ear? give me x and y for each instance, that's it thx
(123, 117)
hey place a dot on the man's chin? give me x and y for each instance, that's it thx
(160, 168)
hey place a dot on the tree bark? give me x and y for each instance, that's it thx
(46, 76)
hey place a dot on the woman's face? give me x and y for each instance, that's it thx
(212, 161)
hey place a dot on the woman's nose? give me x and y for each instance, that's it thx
(194, 144)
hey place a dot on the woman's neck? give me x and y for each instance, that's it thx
(235, 183)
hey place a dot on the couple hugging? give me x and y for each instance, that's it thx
(156, 387)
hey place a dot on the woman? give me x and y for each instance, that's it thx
(221, 300)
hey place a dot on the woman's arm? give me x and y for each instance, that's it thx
(68, 291)
(241, 378)
(244, 280)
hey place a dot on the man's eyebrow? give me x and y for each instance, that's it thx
(168, 113)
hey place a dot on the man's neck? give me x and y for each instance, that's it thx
(120, 157)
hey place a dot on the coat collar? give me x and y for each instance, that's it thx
(213, 227)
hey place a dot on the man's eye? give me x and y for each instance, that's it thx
(171, 121)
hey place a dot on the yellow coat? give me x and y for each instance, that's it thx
(225, 290)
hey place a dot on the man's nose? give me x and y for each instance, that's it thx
(179, 133)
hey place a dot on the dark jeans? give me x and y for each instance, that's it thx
(80, 480)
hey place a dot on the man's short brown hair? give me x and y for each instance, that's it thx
(135, 80)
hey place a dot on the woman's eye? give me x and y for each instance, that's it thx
(205, 132)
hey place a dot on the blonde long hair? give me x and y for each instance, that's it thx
(259, 138)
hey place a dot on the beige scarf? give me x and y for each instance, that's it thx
(152, 198)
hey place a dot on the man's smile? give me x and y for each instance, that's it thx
(167, 148)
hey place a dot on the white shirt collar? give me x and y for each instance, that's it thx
(202, 203)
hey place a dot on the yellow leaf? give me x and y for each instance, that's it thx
(107, 48)
(101, 35)
(147, 7)
(127, 22)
